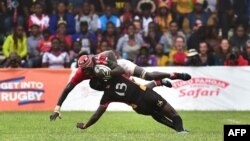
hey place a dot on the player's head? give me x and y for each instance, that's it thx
(85, 61)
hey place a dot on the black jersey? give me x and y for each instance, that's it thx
(143, 100)
(121, 89)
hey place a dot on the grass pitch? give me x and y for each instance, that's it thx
(115, 126)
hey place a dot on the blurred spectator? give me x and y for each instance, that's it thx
(162, 59)
(45, 43)
(104, 46)
(206, 57)
(168, 38)
(153, 36)
(178, 55)
(144, 58)
(13, 14)
(246, 53)
(34, 58)
(231, 12)
(47, 5)
(126, 16)
(223, 53)
(14, 61)
(119, 5)
(240, 10)
(16, 42)
(88, 39)
(198, 14)
(193, 58)
(76, 4)
(129, 44)
(99, 5)
(110, 35)
(138, 26)
(235, 59)
(61, 34)
(39, 18)
(108, 16)
(164, 16)
(181, 8)
(248, 13)
(127, 13)
(239, 38)
(62, 15)
(198, 35)
(146, 7)
(55, 58)
(74, 53)
(74, 64)
(211, 6)
(94, 18)
(84, 15)
(212, 39)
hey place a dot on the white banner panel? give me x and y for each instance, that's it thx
(211, 88)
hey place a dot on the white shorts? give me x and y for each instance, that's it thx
(127, 65)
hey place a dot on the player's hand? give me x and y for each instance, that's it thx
(54, 115)
(81, 125)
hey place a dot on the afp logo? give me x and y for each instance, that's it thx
(236, 132)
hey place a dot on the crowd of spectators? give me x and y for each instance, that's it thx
(54, 33)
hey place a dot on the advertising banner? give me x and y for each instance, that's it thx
(211, 88)
(31, 89)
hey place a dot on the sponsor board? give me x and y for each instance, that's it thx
(31, 89)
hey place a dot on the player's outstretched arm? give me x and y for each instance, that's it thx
(63, 96)
(116, 70)
(111, 55)
(95, 117)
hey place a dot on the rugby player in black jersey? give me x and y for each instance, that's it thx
(85, 71)
(141, 98)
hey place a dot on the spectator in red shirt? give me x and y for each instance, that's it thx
(61, 34)
(45, 43)
(235, 59)
(39, 18)
(178, 55)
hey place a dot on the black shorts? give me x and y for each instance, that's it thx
(149, 102)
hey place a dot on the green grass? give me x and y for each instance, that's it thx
(114, 126)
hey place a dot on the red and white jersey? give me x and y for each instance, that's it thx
(42, 21)
(101, 60)
(55, 60)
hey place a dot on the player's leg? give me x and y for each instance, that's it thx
(169, 112)
(162, 107)
(140, 72)
(155, 83)
(163, 120)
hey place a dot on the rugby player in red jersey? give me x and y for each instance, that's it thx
(85, 71)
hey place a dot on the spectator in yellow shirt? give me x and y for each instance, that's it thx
(162, 59)
(164, 17)
(182, 8)
(16, 42)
